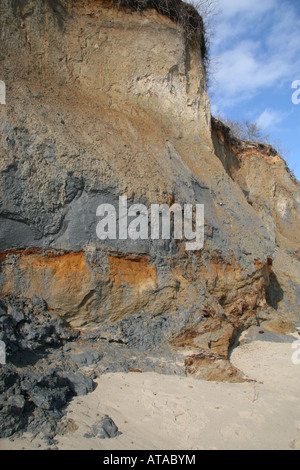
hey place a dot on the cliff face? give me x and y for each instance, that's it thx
(102, 103)
(274, 193)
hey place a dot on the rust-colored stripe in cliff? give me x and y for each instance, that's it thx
(50, 275)
(134, 271)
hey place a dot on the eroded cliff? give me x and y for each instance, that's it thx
(104, 102)
(273, 192)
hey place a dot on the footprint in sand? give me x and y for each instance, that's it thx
(179, 414)
(236, 431)
(154, 403)
(252, 416)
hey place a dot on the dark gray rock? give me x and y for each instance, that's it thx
(22, 329)
(11, 415)
(78, 383)
(147, 332)
(256, 333)
(37, 382)
(86, 358)
(105, 428)
(48, 392)
(9, 380)
(12, 403)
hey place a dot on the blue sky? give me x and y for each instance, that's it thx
(255, 59)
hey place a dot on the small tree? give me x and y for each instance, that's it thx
(209, 10)
(245, 129)
(254, 132)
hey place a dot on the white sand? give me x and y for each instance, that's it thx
(156, 412)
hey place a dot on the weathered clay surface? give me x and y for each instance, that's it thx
(274, 193)
(105, 102)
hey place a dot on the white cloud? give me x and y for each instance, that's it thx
(257, 47)
(250, 7)
(270, 118)
(242, 71)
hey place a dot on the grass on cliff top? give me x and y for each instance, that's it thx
(178, 11)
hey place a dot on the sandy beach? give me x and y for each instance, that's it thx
(157, 412)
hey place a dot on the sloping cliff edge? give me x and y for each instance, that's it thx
(104, 102)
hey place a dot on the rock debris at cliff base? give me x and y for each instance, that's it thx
(103, 102)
